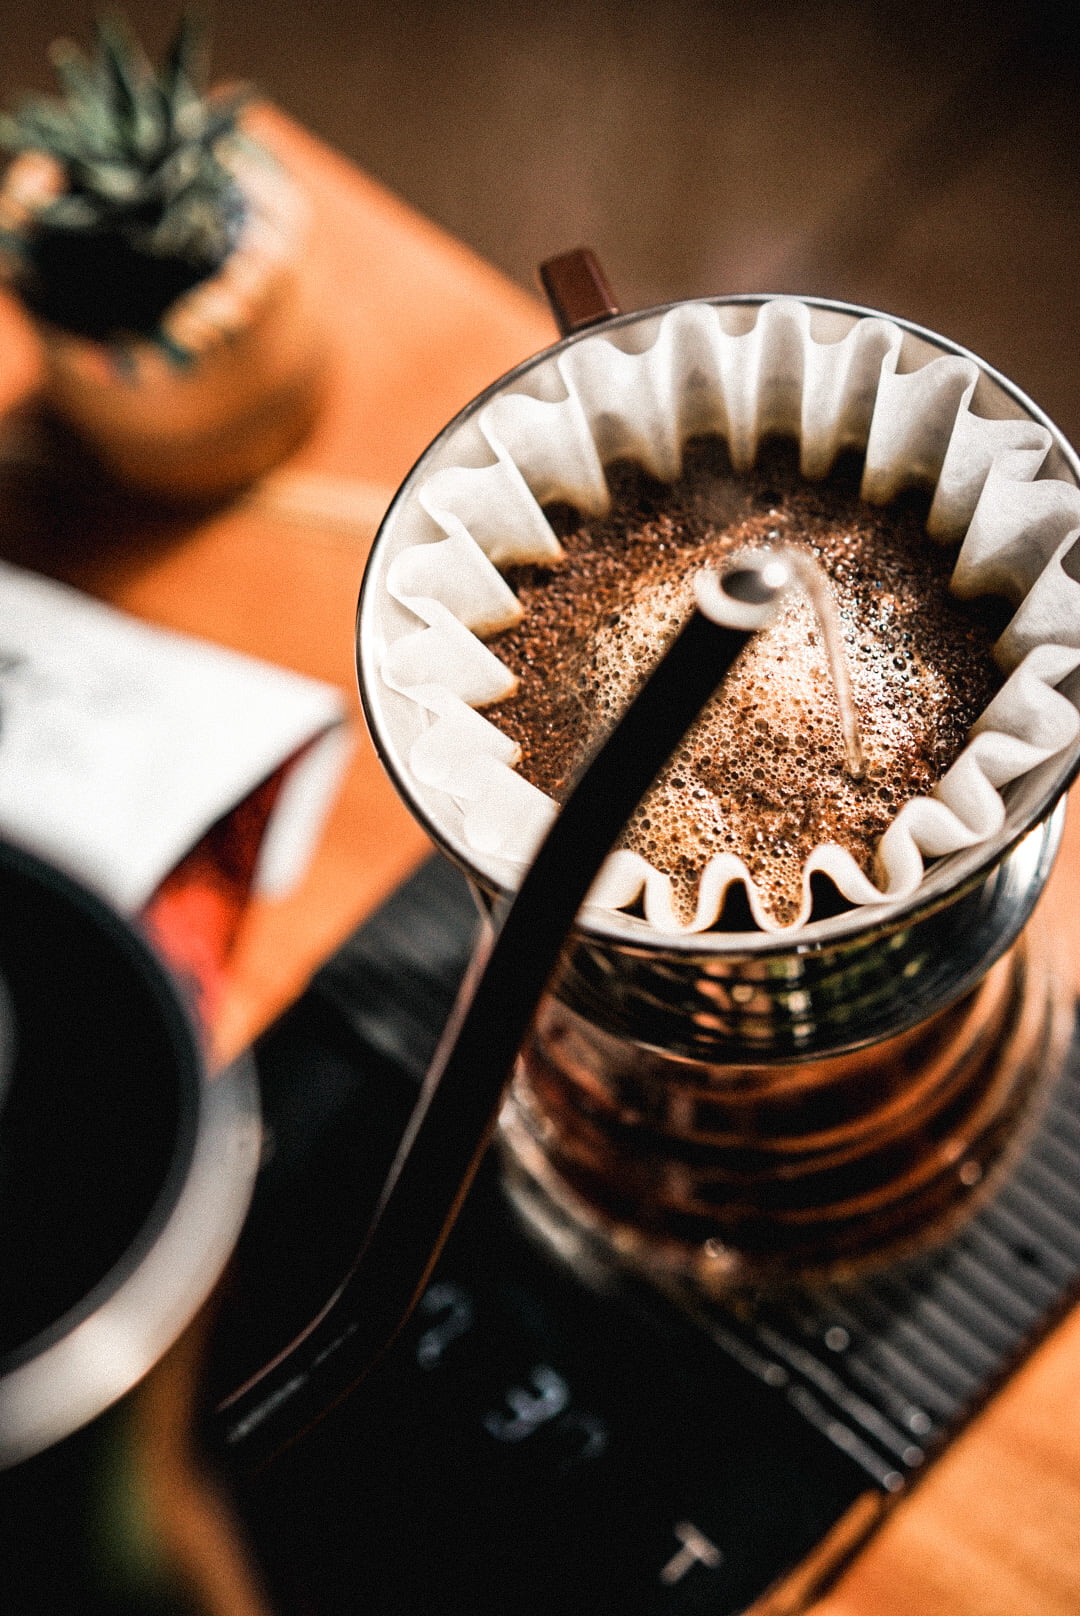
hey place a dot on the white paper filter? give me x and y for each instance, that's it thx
(832, 380)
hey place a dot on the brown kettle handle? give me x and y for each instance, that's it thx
(577, 290)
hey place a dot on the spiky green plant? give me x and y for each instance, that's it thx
(148, 207)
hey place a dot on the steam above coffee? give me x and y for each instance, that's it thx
(762, 775)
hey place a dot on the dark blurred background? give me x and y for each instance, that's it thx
(921, 157)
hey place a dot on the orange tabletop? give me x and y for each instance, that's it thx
(421, 325)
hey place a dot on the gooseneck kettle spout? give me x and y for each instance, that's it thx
(460, 1098)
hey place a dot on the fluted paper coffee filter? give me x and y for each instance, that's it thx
(833, 382)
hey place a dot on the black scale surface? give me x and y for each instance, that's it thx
(533, 1444)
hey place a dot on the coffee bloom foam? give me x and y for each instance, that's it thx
(831, 380)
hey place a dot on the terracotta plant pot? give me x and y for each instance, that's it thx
(231, 382)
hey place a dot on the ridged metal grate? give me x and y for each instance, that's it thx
(888, 1366)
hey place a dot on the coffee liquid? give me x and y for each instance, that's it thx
(762, 774)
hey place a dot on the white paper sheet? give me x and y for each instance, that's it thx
(121, 744)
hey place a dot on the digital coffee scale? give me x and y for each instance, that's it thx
(544, 1437)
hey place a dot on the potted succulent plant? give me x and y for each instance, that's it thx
(159, 251)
